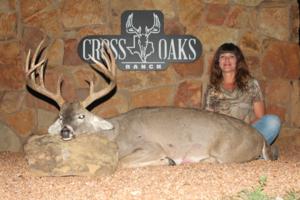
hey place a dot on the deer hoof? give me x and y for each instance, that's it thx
(171, 161)
(275, 152)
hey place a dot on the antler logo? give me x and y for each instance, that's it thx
(145, 47)
(142, 44)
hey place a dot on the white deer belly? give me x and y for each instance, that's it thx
(189, 154)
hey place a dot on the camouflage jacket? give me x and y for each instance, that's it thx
(236, 103)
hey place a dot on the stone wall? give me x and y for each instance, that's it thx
(267, 32)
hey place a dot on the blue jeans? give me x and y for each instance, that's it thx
(269, 127)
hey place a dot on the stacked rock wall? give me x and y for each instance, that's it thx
(267, 32)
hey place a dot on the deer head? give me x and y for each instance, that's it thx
(74, 118)
(143, 36)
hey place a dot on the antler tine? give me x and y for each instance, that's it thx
(129, 21)
(157, 22)
(28, 64)
(34, 70)
(130, 28)
(27, 61)
(107, 57)
(155, 27)
(109, 71)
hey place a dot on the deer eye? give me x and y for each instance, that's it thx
(81, 116)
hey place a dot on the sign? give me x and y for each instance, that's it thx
(142, 44)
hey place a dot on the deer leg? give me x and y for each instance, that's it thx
(270, 152)
(146, 154)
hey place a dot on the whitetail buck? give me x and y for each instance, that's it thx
(152, 136)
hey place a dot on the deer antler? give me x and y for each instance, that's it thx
(35, 73)
(130, 28)
(109, 71)
(156, 26)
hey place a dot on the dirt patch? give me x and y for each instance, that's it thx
(189, 181)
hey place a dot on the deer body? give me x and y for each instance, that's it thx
(152, 136)
(163, 136)
(182, 135)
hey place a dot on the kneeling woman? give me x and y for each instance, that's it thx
(233, 91)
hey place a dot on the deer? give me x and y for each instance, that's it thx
(150, 136)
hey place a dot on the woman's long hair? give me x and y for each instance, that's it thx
(242, 72)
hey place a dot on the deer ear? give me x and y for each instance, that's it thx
(105, 125)
(55, 128)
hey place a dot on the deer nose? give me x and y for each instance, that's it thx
(66, 133)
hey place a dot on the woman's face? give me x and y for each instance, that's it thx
(227, 62)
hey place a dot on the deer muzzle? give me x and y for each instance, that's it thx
(67, 133)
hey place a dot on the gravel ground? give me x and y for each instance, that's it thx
(189, 181)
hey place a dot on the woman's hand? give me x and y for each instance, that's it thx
(259, 110)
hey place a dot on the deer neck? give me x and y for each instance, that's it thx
(113, 133)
